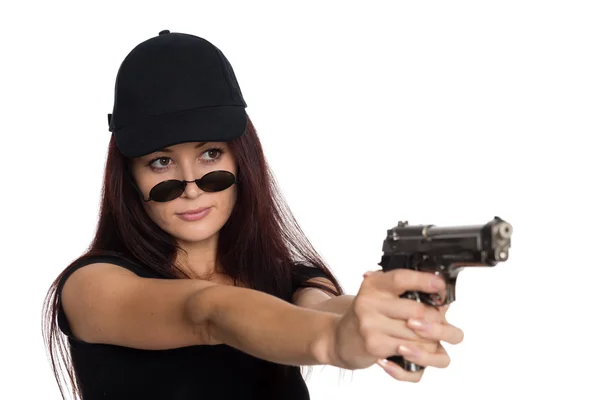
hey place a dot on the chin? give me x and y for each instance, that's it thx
(193, 233)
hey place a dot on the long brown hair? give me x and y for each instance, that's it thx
(258, 245)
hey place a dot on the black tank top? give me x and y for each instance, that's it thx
(195, 372)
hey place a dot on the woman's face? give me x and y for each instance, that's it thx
(187, 161)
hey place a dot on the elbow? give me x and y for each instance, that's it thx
(198, 312)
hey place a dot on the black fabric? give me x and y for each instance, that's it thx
(175, 88)
(302, 273)
(194, 372)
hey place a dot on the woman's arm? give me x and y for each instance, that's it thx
(108, 304)
(105, 303)
(264, 325)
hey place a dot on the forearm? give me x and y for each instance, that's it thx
(265, 326)
(337, 305)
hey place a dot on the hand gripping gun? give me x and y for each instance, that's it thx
(444, 251)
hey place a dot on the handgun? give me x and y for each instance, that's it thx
(444, 251)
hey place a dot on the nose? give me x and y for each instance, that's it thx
(191, 189)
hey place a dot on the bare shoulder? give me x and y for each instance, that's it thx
(107, 303)
(308, 296)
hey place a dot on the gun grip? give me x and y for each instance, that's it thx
(432, 300)
(404, 364)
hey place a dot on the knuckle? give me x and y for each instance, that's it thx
(425, 280)
(419, 310)
(399, 278)
(404, 278)
(360, 305)
(357, 304)
(432, 314)
(366, 327)
(372, 345)
(436, 330)
(363, 302)
(367, 282)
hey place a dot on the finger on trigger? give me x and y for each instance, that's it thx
(403, 280)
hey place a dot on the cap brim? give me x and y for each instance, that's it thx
(208, 124)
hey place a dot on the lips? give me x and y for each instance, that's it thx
(193, 211)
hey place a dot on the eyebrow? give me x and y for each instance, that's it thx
(165, 150)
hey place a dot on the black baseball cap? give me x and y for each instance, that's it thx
(175, 88)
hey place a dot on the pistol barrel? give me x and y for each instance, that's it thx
(491, 241)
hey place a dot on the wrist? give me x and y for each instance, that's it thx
(323, 348)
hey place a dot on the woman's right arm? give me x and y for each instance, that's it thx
(105, 303)
(373, 327)
(265, 326)
(108, 304)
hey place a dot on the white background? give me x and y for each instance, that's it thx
(441, 112)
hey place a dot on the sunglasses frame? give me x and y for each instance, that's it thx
(183, 186)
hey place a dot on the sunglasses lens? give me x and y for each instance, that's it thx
(166, 191)
(216, 181)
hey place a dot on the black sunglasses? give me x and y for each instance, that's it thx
(171, 189)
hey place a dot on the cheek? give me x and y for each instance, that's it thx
(156, 213)
(232, 196)
(224, 206)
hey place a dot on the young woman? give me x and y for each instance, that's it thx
(199, 284)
